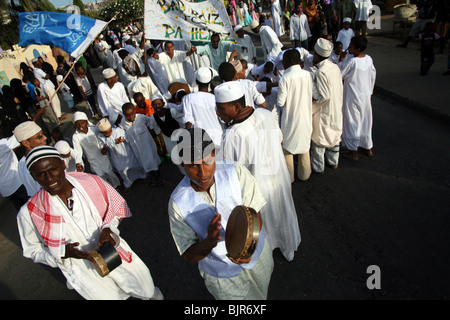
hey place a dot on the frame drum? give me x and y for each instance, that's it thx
(106, 259)
(242, 232)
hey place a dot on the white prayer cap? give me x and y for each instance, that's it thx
(204, 75)
(323, 47)
(117, 42)
(237, 28)
(348, 20)
(101, 36)
(254, 24)
(62, 147)
(26, 130)
(59, 78)
(34, 60)
(228, 92)
(79, 115)
(103, 125)
(108, 73)
(156, 97)
(41, 152)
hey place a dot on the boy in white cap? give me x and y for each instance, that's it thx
(295, 91)
(85, 141)
(111, 94)
(346, 34)
(65, 90)
(29, 135)
(199, 108)
(113, 142)
(253, 139)
(73, 160)
(327, 109)
(199, 209)
(142, 140)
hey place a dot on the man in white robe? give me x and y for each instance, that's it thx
(269, 40)
(85, 140)
(199, 209)
(359, 76)
(86, 213)
(141, 137)
(29, 135)
(275, 9)
(114, 143)
(327, 110)
(199, 108)
(172, 60)
(295, 91)
(246, 41)
(111, 94)
(253, 139)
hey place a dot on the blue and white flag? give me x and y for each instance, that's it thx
(71, 32)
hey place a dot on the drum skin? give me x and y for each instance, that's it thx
(242, 233)
(106, 259)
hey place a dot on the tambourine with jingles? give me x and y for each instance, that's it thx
(242, 232)
(106, 258)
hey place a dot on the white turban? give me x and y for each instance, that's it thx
(323, 47)
(26, 130)
(228, 91)
(79, 115)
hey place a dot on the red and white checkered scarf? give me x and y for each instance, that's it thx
(50, 224)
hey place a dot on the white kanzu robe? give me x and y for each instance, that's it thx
(359, 76)
(142, 142)
(247, 42)
(111, 100)
(122, 157)
(174, 67)
(256, 144)
(327, 110)
(295, 98)
(84, 225)
(100, 164)
(276, 16)
(269, 41)
(199, 108)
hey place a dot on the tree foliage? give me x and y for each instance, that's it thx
(126, 10)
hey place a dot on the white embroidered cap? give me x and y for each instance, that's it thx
(323, 47)
(26, 130)
(108, 73)
(204, 75)
(103, 125)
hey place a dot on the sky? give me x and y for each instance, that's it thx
(60, 3)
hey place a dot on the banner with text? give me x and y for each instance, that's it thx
(184, 20)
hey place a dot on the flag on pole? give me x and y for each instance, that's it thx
(71, 32)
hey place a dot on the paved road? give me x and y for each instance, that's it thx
(390, 211)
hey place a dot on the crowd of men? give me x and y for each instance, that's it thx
(231, 126)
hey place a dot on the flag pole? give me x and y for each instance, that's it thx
(73, 64)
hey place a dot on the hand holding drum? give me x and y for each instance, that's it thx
(242, 234)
